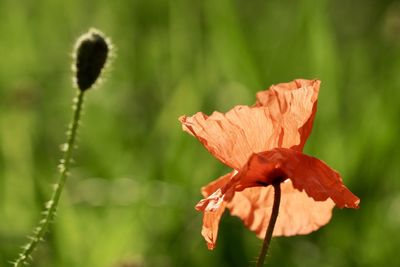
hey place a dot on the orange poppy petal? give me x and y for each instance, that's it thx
(296, 100)
(234, 136)
(298, 213)
(212, 207)
(215, 185)
(210, 225)
(307, 173)
(282, 117)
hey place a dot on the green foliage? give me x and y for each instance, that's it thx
(130, 198)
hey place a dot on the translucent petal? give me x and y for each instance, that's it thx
(298, 213)
(282, 117)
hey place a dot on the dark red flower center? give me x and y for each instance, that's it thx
(274, 176)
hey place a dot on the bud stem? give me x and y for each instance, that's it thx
(51, 208)
(271, 225)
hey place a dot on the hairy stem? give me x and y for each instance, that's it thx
(271, 225)
(51, 206)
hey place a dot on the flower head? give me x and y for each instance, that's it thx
(263, 144)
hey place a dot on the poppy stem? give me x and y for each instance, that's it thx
(51, 207)
(271, 225)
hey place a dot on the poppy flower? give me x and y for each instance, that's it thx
(263, 145)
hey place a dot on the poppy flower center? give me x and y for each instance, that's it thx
(275, 176)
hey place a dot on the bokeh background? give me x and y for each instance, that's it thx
(129, 201)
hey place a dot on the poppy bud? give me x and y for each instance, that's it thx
(91, 52)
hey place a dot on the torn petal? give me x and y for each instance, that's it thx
(211, 224)
(213, 206)
(216, 192)
(212, 202)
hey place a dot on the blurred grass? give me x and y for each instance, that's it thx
(130, 198)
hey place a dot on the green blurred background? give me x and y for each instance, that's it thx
(130, 199)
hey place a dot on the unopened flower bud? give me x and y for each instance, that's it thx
(91, 52)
